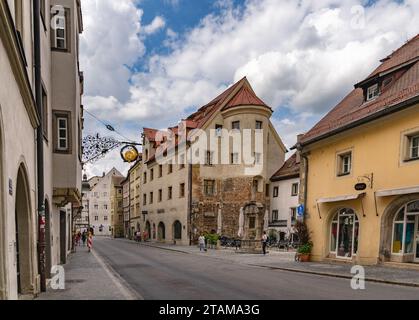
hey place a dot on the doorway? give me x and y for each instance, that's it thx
(23, 235)
(345, 234)
(417, 240)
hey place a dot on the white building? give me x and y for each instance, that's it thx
(98, 200)
(57, 87)
(285, 186)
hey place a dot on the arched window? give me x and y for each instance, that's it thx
(177, 226)
(404, 229)
(344, 234)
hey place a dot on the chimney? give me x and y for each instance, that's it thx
(104, 174)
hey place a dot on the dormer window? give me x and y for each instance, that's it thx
(373, 92)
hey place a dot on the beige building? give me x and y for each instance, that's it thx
(182, 197)
(117, 208)
(126, 206)
(99, 199)
(57, 86)
(134, 176)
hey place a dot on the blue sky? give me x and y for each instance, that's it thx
(156, 61)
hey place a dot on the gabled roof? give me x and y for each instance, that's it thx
(245, 97)
(290, 170)
(353, 110)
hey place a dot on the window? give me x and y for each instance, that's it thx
(62, 133)
(144, 199)
(373, 92)
(182, 190)
(96, 218)
(267, 190)
(145, 177)
(218, 130)
(105, 194)
(258, 158)
(404, 229)
(259, 125)
(209, 188)
(160, 171)
(59, 30)
(414, 147)
(170, 193)
(252, 223)
(160, 195)
(151, 174)
(275, 215)
(345, 164)
(105, 218)
(45, 113)
(105, 207)
(170, 168)
(295, 189)
(344, 234)
(293, 216)
(235, 125)
(151, 197)
(182, 162)
(234, 159)
(276, 192)
(209, 158)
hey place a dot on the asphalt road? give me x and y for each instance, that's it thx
(157, 274)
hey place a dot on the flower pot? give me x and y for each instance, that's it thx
(304, 257)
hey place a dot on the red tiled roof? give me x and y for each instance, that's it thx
(290, 169)
(245, 97)
(353, 109)
(150, 134)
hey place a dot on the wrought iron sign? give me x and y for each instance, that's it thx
(97, 147)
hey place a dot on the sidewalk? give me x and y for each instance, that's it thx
(88, 277)
(285, 261)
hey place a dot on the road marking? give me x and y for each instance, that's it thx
(121, 284)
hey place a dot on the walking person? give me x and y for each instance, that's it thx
(84, 238)
(202, 245)
(265, 240)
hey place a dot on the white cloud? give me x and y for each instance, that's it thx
(303, 55)
(157, 24)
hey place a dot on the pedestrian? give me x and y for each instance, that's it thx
(202, 246)
(84, 238)
(78, 238)
(265, 240)
(90, 241)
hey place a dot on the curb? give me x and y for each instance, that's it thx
(340, 276)
(295, 270)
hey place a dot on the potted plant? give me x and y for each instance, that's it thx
(306, 247)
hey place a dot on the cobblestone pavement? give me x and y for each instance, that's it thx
(286, 261)
(88, 277)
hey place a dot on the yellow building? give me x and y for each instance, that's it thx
(361, 168)
(134, 176)
(117, 208)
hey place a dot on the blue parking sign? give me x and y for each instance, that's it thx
(300, 211)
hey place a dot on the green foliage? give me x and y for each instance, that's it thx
(212, 239)
(306, 248)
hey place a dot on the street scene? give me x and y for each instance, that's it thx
(183, 150)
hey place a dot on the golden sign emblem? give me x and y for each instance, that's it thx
(129, 154)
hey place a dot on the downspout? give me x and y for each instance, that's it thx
(39, 145)
(190, 200)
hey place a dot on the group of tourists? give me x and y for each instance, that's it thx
(139, 237)
(83, 238)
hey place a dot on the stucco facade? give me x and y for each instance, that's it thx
(200, 187)
(360, 181)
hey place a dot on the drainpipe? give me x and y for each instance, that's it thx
(190, 201)
(39, 145)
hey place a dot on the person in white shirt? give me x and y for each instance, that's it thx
(201, 243)
(265, 239)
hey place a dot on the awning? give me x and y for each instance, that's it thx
(397, 192)
(342, 198)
